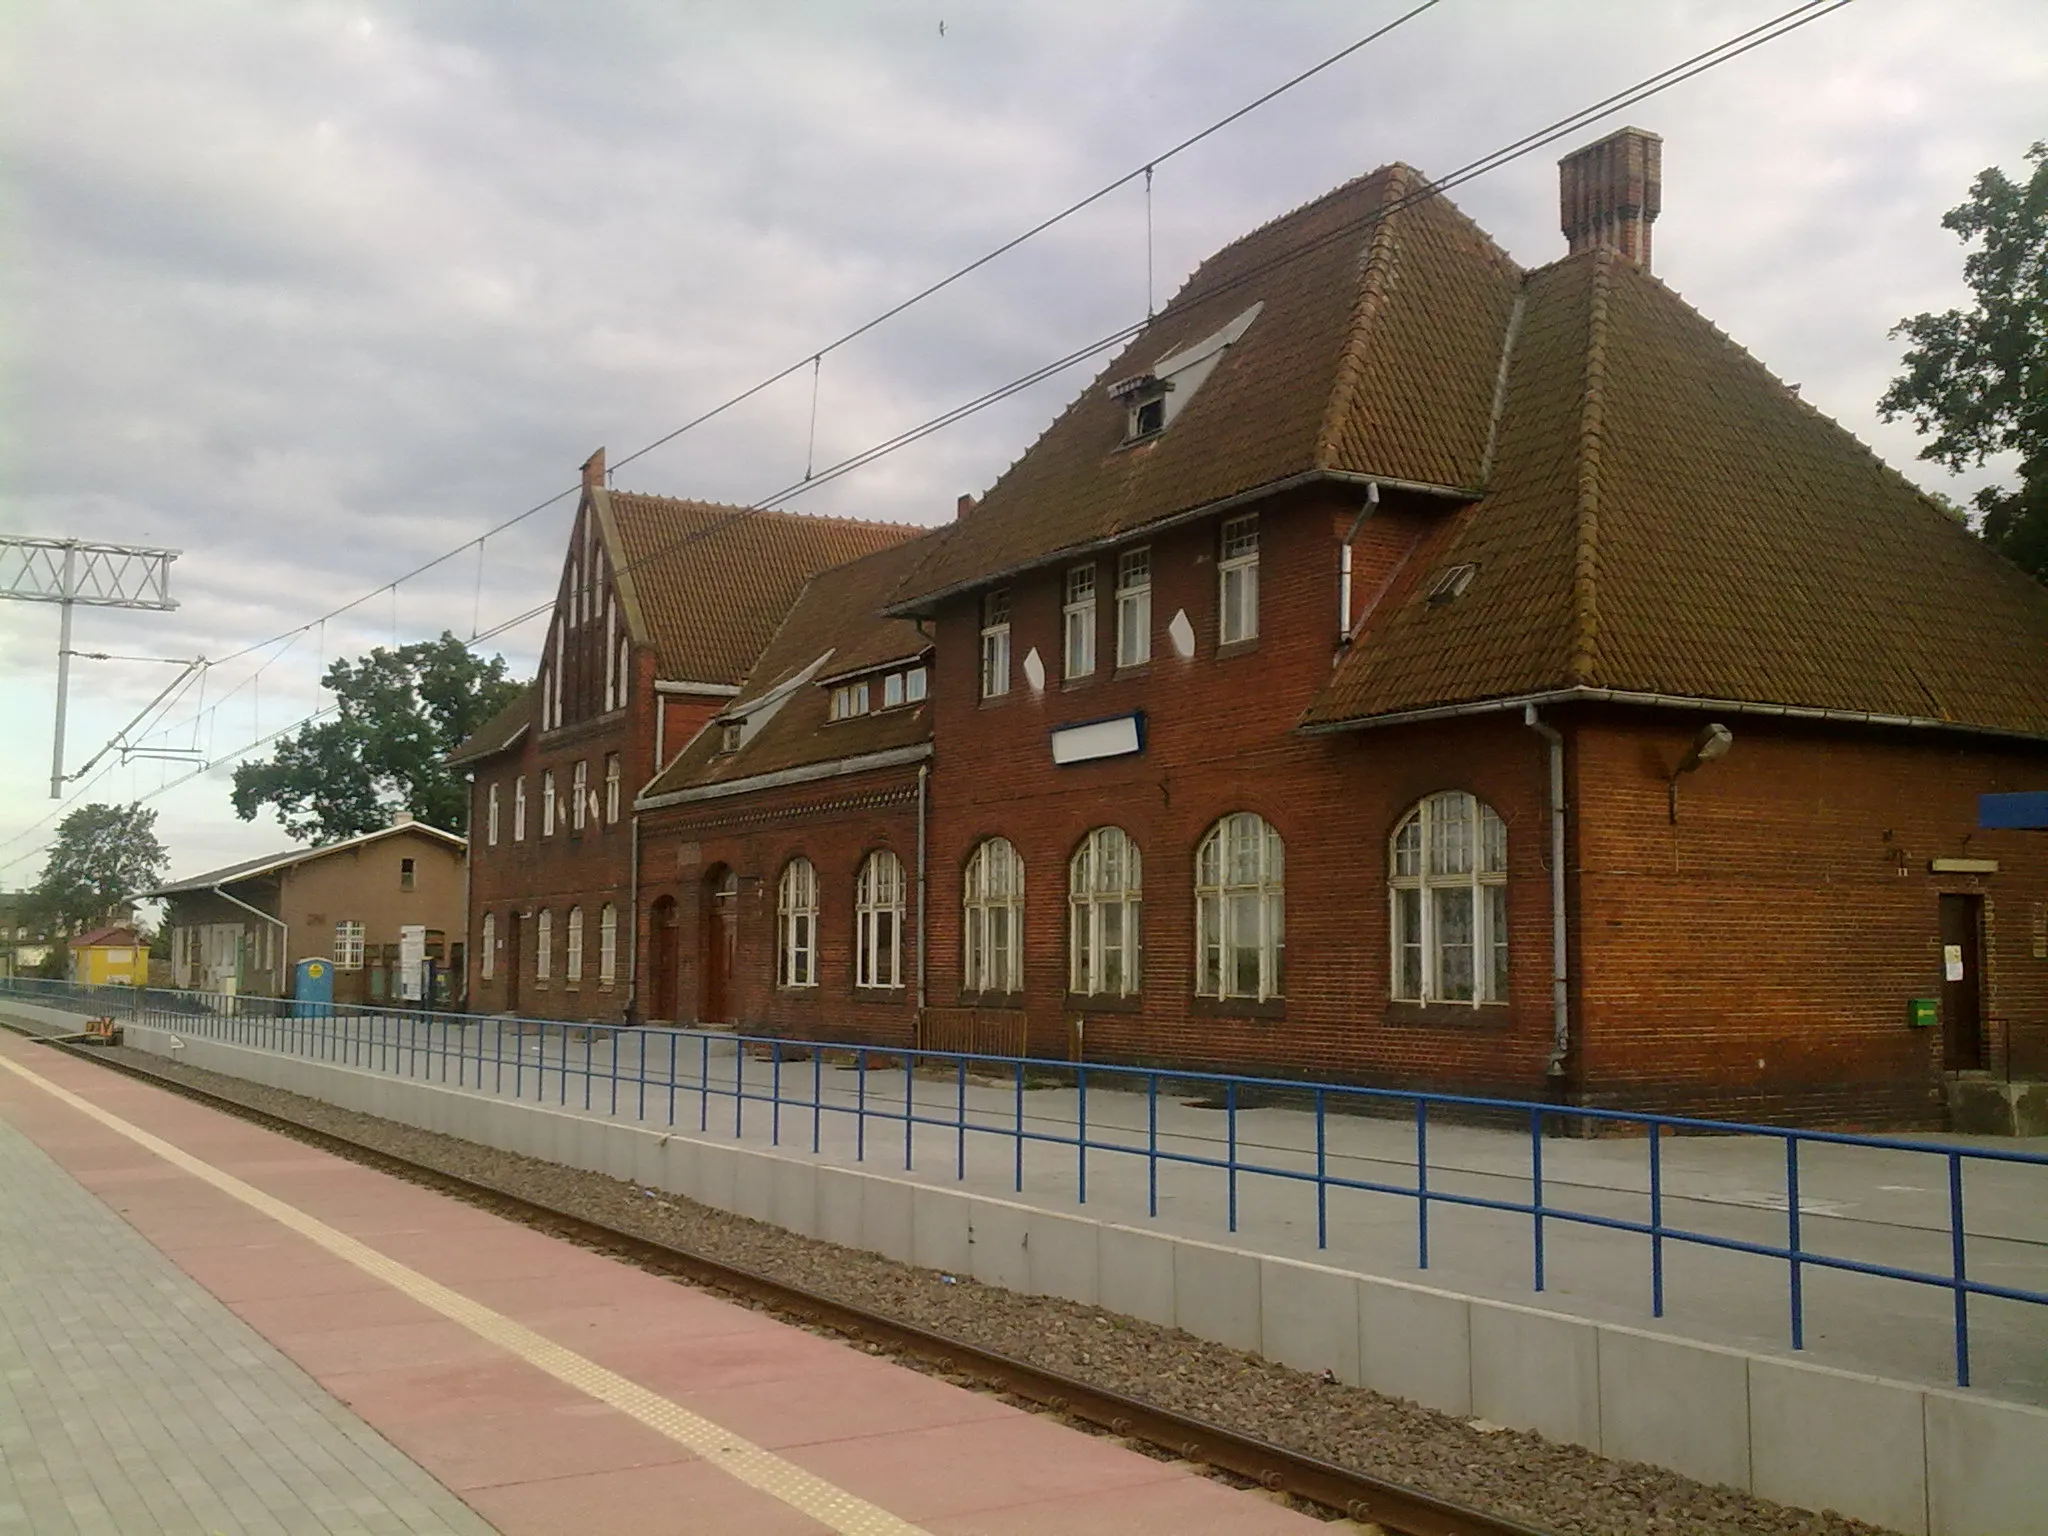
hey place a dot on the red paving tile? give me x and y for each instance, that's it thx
(532, 1454)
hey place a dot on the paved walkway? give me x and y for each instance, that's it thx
(555, 1390)
(131, 1401)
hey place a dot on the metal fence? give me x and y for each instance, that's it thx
(710, 1079)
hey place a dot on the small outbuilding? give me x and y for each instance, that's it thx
(116, 957)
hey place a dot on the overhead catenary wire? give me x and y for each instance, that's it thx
(1741, 43)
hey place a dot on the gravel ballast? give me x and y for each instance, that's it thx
(1510, 1473)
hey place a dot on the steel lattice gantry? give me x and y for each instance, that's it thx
(74, 571)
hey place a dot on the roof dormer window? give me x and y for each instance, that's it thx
(1144, 401)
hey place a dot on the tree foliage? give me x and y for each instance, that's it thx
(103, 855)
(398, 714)
(1978, 379)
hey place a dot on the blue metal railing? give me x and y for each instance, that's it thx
(671, 1067)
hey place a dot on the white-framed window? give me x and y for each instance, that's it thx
(916, 684)
(732, 736)
(408, 876)
(1134, 607)
(348, 945)
(892, 691)
(547, 803)
(1078, 622)
(796, 921)
(625, 672)
(878, 921)
(1448, 890)
(488, 966)
(611, 654)
(579, 795)
(1238, 572)
(992, 911)
(995, 644)
(1105, 879)
(1240, 910)
(849, 699)
(519, 809)
(607, 944)
(543, 945)
(611, 786)
(491, 816)
(572, 959)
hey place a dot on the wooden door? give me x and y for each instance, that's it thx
(512, 963)
(720, 946)
(664, 959)
(1962, 983)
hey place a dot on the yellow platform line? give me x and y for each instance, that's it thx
(824, 1502)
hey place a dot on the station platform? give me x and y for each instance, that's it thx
(208, 1328)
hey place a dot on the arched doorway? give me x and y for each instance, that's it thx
(720, 945)
(665, 931)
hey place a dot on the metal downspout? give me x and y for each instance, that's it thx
(1372, 505)
(924, 773)
(1561, 1008)
(633, 928)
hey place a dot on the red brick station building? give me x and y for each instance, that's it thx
(1399, 667)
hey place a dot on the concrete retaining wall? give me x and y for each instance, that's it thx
(1922, 1460)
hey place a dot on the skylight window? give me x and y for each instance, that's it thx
(1452, 584)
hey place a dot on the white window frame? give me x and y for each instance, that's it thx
(612, 773)
(1237, 581)
(992, 919)
(1077, 623)
(995, 643)
(878, 922)
(579, 789)
(1240, 884)
(892, 691)
(916, 684)
(348, 945)
(519, 809)
(1105, 885)
(1134, 607)
(572, 959)
(611, 653)
(607, 945)
(491, 816)
(487, 967)
(796, 924)
(547, 802)
(1448, 854)
(543, 945)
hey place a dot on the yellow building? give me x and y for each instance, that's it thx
(110, 957)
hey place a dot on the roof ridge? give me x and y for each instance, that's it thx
(744, 508)
(1393, 168)
(1372, 297)
(1583, 664)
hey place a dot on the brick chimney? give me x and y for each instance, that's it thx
(593, 471)
(963, 506)
(1608, 194)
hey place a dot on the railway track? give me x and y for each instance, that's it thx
(1390, 1506)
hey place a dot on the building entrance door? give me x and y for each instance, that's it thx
(666, 957)
(512, 962)
(1962, 983)
(720, 944)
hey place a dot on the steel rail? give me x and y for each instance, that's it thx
(1393, 1506)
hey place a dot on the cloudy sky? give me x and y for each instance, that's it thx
(315, 292)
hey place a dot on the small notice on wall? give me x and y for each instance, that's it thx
(1951, 962)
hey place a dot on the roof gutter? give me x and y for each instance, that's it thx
(922, 605)
(699, 690)
(1661, 701)
(807, 773)
(284, 937)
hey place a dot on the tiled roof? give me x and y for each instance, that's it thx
(837, 619)
(249, 869)
(497, 733)
(1375, 351)
(118, 937)
(712, 583)
(1666, 518)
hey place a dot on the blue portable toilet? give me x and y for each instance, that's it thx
(313, 989)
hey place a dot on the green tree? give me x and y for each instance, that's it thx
(103, 855)
(398, 715)
(1978, 378)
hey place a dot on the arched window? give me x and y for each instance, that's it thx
(993, 918)
(796, 917)
(489, 966)
(608, 944)
(543, 944)
(572, 965)
(878, 922)
(1449, 894)
(1103, 883)
(1240, 910)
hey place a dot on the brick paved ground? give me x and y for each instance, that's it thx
(132, 1402)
